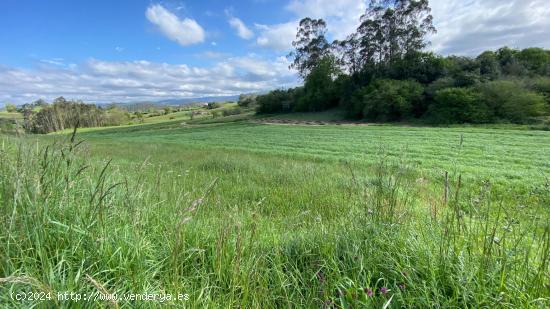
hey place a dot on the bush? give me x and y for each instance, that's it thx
(231, 111)
(10, 108)
(542, 86)
(510, 100)
(430, 92)
(115, 117)
(536, 60)
(458, 105)
(440, 84)
(213, 105)
(387, 100)
(168, 110)
(247, 100)
(278, 101)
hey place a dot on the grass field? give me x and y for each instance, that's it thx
(241, 214)
(6, 115)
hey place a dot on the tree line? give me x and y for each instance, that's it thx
(41, 117)
(381, 72)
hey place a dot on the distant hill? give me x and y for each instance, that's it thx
(199, 100)
(182, 101)
(142, 105)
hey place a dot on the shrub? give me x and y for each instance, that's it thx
(542, 86)
(458, 105)
(440, 84)
(116, 116)
(247, 100)
(213, 105)
(10, 108)
(231, 111)
(536, 60)
(278, 101)
(168, 110)
(510, 100)
(387, 99)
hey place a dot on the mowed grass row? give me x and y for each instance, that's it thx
(261, 216)
(501, 155)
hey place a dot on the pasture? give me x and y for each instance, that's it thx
(241, 214)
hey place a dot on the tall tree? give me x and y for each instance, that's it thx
(310, 46)
(392, 29)
(347, 53)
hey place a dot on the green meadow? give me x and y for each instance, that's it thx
(237, 213)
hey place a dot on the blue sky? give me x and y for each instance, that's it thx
(33, 31)
(131, 50)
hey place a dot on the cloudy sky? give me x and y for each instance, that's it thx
(133, 50)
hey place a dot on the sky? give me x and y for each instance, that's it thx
(145, 50)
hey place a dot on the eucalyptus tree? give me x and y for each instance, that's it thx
(310, 45)
(347, 54)
(391, 29)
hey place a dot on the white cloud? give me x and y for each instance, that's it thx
(106, 81)
(278, 37)
(185, 32)
(342, 16)
(54, 61)
(242, 30)
(470, 27)
(212, 55)
(464, 27)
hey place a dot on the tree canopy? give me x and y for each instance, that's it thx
(382, 72)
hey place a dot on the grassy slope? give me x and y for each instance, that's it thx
(6, 115)
(293, 219)
(10, 116)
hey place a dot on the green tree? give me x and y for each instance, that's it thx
(459, 105)
(278, 101)
(139, 116)
(10, 108)
(247, 100)
(509, 63)
(536, 60)
(387, 100)
(510, 100)
(319, 91)
(168, 110)
(310, 45)
(390, 29)
(213, 105)
(542, 86)
(488, 65)
(347, 53)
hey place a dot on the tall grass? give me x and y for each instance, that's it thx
(70, 223)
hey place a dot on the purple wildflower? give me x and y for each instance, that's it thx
(369, 292)
(402, 286)
(383, 290)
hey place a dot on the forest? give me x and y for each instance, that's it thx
(382, 72)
